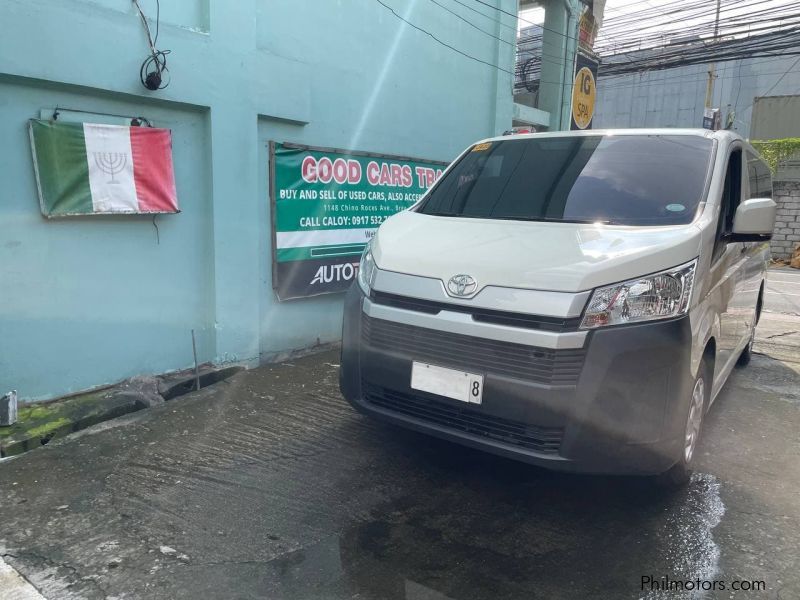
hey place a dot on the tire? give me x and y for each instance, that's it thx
(680, 473)
(747, 353)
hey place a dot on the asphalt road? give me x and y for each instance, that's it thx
(783, 291)
(270, 486)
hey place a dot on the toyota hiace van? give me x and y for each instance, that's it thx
(575, 300)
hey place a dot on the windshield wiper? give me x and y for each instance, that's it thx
(553, 220)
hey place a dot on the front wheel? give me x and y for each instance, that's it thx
(680, 473)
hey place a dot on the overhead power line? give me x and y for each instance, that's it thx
(683, 80)
(781, 78)
(650, 28)
(505, 12)
(491, 18)
(518, 18)
(445, 44)
(490, 34)
(459, 51)
(771, 43)
(471, 24)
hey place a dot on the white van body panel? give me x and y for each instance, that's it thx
(559, 257)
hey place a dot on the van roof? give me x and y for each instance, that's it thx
(722, 135)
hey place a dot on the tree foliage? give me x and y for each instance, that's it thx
(776, 151)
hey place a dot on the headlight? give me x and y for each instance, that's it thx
(659, 296)
(366, 270)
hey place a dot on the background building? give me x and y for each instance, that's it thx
(675, 96)
(754, 84)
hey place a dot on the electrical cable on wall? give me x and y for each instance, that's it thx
(154, 67)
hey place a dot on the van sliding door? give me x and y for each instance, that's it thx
(727, 264)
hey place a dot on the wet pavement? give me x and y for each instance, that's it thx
(269, 485)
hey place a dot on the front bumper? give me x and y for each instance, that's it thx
(617, 405)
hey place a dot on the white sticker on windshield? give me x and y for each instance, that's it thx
(675, 207)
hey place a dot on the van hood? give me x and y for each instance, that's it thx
(562, 257)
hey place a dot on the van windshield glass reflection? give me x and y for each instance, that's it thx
(623, 180)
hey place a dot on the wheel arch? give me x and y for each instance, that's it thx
(710, 354)
(760, 301)
(706, 336)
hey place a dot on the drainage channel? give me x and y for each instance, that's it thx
(118, 404)
(187, 385)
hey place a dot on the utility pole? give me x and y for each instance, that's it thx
(712, 68)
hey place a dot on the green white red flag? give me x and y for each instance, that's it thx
(87, 168)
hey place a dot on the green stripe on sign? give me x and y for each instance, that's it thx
(312, 252)
(347, 250)
(63, 171)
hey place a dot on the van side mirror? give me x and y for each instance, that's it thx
(754, 220)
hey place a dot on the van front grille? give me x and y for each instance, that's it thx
(544, 440)
(471, 354)
(484, 315)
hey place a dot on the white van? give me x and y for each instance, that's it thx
(575, 300)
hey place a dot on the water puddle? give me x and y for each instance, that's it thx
(566, 544)
(691, 554)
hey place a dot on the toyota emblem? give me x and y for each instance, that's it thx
(462, 285)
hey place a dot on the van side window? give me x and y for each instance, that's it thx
(759, 177)
(731, 196)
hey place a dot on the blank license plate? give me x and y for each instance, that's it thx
(458, 385)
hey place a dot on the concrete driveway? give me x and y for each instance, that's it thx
(270, 486)
(783, 291)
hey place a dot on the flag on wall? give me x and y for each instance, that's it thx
(87, 168)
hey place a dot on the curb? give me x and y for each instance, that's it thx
(65, 417)
(41, 422)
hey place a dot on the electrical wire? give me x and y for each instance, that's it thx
(635, 41)
(153, 68)
(629, 44)
(739, 88)
(491, 18)
(505, 12)
(781, 78)
(490, 34)
(634, 30)
(784, 42)
(471, 24)
(602, 88)
(445, 44)
(454, 49)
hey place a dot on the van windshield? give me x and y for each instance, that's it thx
(621, 180)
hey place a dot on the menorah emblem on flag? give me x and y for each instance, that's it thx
(111, 163)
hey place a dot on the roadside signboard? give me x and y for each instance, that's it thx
(587, 30)
(326, 205)
(584, 92)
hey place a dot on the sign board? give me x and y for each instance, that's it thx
(326, 206)
(587, 30)
(584, 92)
